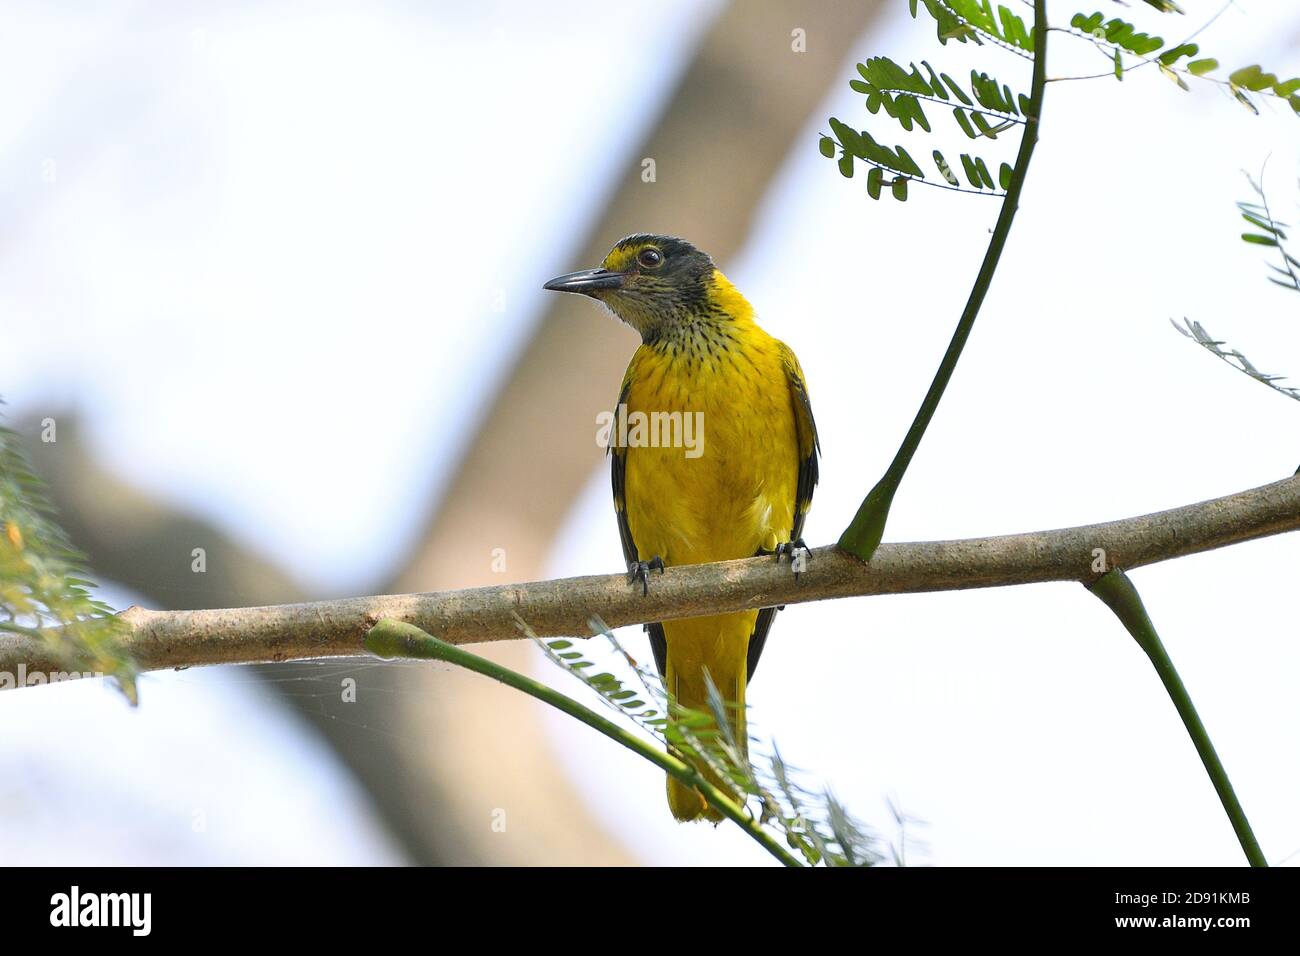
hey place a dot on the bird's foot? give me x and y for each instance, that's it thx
(640, 571)
(798, 552)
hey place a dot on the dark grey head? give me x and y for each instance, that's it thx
(650, 282)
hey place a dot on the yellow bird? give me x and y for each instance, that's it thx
(714, 453)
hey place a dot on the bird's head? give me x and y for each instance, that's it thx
(653, 283)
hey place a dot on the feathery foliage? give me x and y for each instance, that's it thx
(1269, 233)
(981, 110)
(1116, 36)
(817, 828)
(976, 21)
(44, 593)
(981, 107)
(814, 824)
(1196, 332)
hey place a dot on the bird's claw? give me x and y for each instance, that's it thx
(798, 551)
(640, 571)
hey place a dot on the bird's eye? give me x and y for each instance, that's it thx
(650, 258)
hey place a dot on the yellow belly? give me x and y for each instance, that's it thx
(735, 498)
(738, 495)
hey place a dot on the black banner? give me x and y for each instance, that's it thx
(330, 905)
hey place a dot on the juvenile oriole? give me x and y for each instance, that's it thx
(747, 485)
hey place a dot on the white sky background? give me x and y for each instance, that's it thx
(257, 209)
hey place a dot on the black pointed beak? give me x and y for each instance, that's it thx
(586, 282)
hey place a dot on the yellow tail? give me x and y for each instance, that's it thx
(720, 644)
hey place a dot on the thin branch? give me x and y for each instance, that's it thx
(1287, 258)
(396, 639)
(865, 531)
(1233, 357)
(562, 608)
(1116, 591)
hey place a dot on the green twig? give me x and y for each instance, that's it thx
(1117, 592)
(864, 533)
(390, 638)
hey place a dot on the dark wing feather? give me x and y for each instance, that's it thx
(809, 447)
(809, 444)
(618, 472)
(762, 624)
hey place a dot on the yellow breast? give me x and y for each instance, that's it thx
(733, 491)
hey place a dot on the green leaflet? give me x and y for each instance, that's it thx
(978, 175)
(957, 90)
(983, 125)
(861, 145)
(964, 122)
(936, 84)
(1253, 78)
(945, 170)
(947, 25)
(875, 178)
(883, 73)
(1117, 32)
(1259, 217)
(991, 95)
(964, 20)
(906, 109)
(1175, 53)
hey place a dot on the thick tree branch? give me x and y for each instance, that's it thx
(162, 639)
